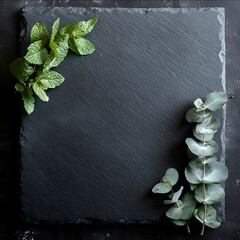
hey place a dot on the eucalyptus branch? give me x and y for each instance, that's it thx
(204, 172)
(182, 210)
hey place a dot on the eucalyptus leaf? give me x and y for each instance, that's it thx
(172, 175)
(178, 222)
(211, 214)
(174, 197)
(202, 137)
(199, 104)
(208, 126)
(193, 115)
(200, 149)
(215, 172)
(198, 161)
(213, 192)
(162, 187)
(188, 206)
(175, 212)
(215, 100)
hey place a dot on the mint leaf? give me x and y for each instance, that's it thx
(37, 53)
(83, 28)
(28, 100)
(39, 32)
(50, 78)
(40, 92)
(81, 46)
(62, 50)
(54, 29)
(21, 69)
(19, 87)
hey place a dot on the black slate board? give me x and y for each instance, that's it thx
(117, 123)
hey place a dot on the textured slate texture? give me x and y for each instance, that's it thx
(117, 123)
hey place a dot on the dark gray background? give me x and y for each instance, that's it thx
(10, 115)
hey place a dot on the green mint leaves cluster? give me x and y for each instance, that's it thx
(204, 172)
(33, 71)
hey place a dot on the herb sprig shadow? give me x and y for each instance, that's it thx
(204, 172)
(45, 52)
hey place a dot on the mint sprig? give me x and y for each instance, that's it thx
(45, 52)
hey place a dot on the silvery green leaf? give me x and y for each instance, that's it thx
(175, 212)
(197, 147)
(199, 104)
(200, 136)
(188, 205)
(178, 222)
(193, 115)
(172, 175)
(162, 187)
(211, 214)
(216, 100)
(208, 126)
(198, 161)
(215, 172)
(37, 53)
(174, 197)
(28, 100)
(214, 193)
(21, 69)
(39, 32)
(165, 179)
(40, 92)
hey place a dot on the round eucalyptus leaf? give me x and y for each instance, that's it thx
(214, 193)
(188, 206)
(165, 179)
(211, 214)
(198, 161)
(172, 175)
(215, 100)
(178, 222)
(200, 137)
(174, 212)
(162, 187)
(174, 197)
(215, 172)
(192, 115)
(192, 175)
(208, 127)
(197, 147)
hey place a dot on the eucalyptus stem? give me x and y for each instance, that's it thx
(204, 190)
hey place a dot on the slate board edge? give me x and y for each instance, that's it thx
(222, 56)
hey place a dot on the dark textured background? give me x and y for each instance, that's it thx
(13, 226)
(117, 123)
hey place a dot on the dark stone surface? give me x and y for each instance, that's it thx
(13, 226)
(117, 123)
